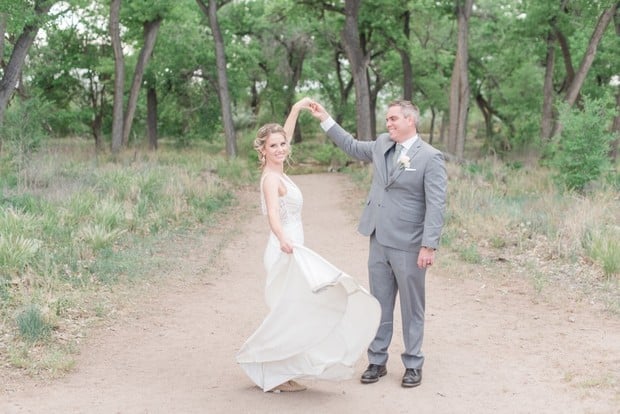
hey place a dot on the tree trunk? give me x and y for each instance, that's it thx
(13, 68)
(254, 100)
(344, 89)
(374, 92)
(374, 96)
(548, 119)
(459, 87)
(405, 59)
(150, 35)
(575, 86)
(359, 67)
(487, 115)
(2, 33)
(566, 57)
(95, 128)
(296, 49)
(96, 103)
(222, 78)
(431, 134)
(151, 116)
(407, 75)
(119, 76)
(615, 128)
(443, 126)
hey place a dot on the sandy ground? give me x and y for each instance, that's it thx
(489, 347)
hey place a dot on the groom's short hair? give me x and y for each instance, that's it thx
(408, 108)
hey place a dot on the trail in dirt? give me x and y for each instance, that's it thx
(489, 348)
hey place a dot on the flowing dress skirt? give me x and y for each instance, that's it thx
(319, 323)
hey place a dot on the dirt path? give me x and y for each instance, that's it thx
(489, 348)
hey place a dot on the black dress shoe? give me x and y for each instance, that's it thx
(412, 378)
(372, 373)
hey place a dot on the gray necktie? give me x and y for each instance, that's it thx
(397, 151)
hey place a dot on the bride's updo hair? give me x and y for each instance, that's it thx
(261, 137)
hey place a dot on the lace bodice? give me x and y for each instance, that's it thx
(290, 204)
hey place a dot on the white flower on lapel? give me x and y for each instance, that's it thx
(404, 161)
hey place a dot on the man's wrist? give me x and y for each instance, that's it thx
(327, 124)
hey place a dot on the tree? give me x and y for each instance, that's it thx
(359, 68)
(459, 89)
(12, 70)
(573, 80)
(150, 28)
(119, 76)
(70, 71)
(283, 37)
(210, 10)
(588, 57)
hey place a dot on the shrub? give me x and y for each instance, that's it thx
(32, 324)
(603, 245)
(582, 150)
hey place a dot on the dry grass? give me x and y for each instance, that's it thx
(75, 225)
(516, 223)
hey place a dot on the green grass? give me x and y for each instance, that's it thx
(72, 227)
(603, 246)
(32, 325)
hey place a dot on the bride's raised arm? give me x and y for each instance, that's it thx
(291, 120)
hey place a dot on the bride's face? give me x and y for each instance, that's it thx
(276, 148)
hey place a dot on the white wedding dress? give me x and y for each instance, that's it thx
(320, 319)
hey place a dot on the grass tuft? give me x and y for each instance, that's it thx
(32, 324)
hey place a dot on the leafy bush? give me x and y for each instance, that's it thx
(23, 128)
(582, 150)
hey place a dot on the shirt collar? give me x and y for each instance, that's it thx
(408, 143)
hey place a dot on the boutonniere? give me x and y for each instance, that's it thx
(404, 161)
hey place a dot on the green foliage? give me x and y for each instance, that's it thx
(16, 252)
(97, 236)
(206, 206)
(234, 171)
(277, 50)
(470, 254)
(603, 245)
(32, 324)
(19, 244)
(23, 128)
(581, 152)
(328, 154)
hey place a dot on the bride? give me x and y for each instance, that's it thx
(320, 319)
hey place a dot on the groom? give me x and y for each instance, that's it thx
(403, 216)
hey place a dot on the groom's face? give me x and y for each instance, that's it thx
(399, 127)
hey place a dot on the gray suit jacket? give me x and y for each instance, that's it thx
(405, 206)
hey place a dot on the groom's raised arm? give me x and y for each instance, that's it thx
(345, 141)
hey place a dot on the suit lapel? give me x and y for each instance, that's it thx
(415, 148)
(387, 157)
(411, 152)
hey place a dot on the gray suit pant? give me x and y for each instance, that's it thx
(393, 271)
